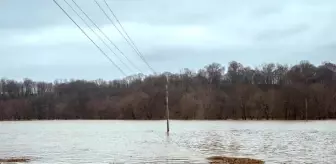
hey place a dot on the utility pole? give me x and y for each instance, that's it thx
(306, 104)
(167, 107)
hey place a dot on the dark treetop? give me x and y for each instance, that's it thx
(272, 91)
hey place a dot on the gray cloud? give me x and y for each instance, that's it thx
(37, 40)
(275, 34)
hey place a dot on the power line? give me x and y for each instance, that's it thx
(130, 44)
(97, 34)
(115, 25)
(123, 29)
(91, 40)
(106, 36)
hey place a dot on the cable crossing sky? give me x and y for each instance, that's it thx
(128, 39)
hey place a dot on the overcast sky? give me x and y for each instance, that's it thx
(38, 41)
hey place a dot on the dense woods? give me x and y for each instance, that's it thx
(271, 91)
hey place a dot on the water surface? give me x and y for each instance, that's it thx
(189, 141)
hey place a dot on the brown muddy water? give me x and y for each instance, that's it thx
(189, 141)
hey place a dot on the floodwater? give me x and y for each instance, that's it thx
(189, 141)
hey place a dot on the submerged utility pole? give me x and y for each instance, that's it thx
(306, 105)
(167, 107)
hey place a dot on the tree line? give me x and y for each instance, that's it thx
(271, 91)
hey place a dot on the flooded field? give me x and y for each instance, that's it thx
(189, 141)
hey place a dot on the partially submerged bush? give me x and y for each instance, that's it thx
(15, 159)
(233, 160)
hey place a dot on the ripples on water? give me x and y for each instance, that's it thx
(189, 141)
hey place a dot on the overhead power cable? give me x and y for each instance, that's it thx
(123, 29)
(97, 35)
(90, 39)
(106, 36)
(130, 44)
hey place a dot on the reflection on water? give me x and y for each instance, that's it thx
(188, 142)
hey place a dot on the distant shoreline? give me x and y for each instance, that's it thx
(237, 120)
(270, 92)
